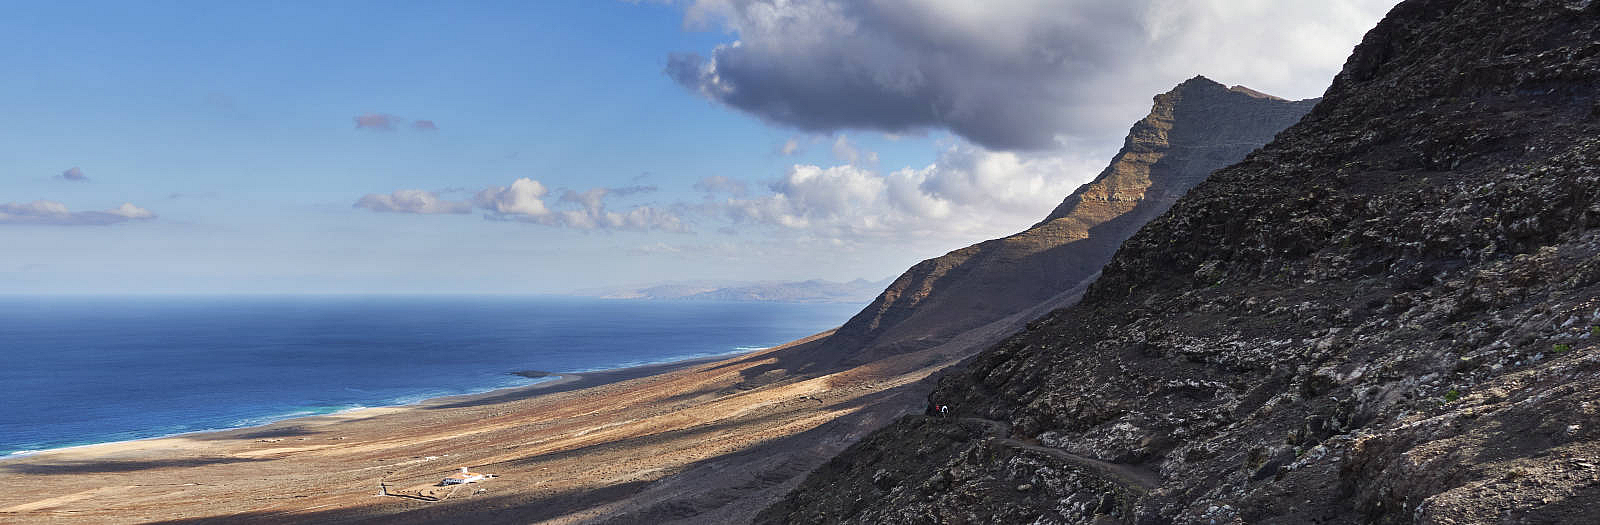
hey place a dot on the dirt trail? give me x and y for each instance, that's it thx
(1134, 478)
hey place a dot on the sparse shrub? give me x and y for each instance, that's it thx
(1560, 348)
(1452, 395)
(1594, 331)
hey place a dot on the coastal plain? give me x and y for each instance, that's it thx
(699, 440)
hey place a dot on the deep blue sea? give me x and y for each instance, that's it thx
(81, 370)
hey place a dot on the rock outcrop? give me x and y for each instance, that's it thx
(1192, 130)
(1388, 315)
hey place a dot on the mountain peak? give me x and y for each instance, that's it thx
(1199, 80)
(1199, 112)
(1252, 92)
(1191, 130)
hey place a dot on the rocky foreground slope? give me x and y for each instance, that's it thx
(1388, 315)
(1191, 131)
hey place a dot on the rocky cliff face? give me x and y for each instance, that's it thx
(1388, 315)
(1194, 129)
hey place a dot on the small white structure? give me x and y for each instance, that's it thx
(464, 476)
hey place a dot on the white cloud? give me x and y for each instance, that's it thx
(129, 211)
(592, 214)
(847, 152)
(412, 201)
(1006, 74)
(55, 213)
(789, 147)
(525, 201)
(814, 196)
(525, 197)
(968, 194)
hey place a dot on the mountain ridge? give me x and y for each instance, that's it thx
(1387, 315)
(1198, 126)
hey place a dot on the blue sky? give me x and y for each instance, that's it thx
(245, 138)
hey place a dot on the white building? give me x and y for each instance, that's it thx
(464, 476)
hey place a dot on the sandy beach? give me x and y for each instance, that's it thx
(699, 441)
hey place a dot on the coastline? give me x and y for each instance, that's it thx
(568, 381)
(562, 382)
(718, 435)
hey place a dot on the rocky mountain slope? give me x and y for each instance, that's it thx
(951, 307)
(1192, 130)
(1388, 315)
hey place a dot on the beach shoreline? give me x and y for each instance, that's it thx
(562, 382)
(722, 435)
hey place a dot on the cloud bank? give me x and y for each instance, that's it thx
(524, 201)
(1005, 74)
(527, 200)
(412, 201)
(969, 192)
(55, 213)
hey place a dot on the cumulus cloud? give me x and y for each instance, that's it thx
(73, 174)
(528, 200)
(55, 213)
(524, 197)
(412, 201)
(721, 184)
(524, 201)
(968, 193)
(1005, 74)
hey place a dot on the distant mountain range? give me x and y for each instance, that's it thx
(812, 291)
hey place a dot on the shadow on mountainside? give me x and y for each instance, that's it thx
(570, 382)
(94, 467)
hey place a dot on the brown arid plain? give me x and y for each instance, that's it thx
(703, 441)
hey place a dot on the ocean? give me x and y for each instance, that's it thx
(83, 370)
